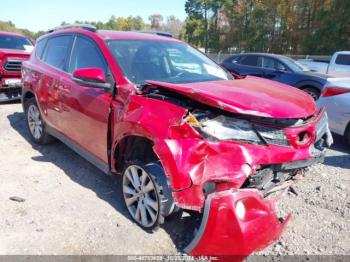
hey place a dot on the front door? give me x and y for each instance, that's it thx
(86, 109)
(272, 68)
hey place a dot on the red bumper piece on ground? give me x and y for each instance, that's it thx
(235, 224)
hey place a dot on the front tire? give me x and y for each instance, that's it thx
(147, 199)
(347, 137)
(36, 124)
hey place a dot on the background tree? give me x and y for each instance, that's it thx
(156, 21)
(280, 26)
(173, 25)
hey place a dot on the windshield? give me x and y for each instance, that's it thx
(166, 61)
(294, 65)
(15, 42)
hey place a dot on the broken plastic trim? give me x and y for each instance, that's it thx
(201, 229)
(251, 224)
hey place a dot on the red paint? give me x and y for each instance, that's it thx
(333, 91)
(98, 122)
(91, 74)
(250, 96)
(252, 231)
(6, 54)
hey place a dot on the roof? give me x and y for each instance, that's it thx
(343, 53)
(263, 54)
(110, 34)
(11, 34)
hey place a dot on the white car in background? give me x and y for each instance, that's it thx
(338, 66)
(335, 98)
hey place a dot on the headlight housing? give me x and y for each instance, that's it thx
(225, 128)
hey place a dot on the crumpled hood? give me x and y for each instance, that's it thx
(250, 96)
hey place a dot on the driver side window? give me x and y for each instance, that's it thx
(270, 63)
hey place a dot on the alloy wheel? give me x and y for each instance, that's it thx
(34, 122)
(140, 195)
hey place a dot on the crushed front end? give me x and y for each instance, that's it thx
(234, 161)
(223, 161)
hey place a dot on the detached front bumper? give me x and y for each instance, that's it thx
(236, 223)
(10, 89)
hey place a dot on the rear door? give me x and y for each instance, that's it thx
(86, 109)
(248, 65)
(55, 59)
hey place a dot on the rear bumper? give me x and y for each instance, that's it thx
(236, 223)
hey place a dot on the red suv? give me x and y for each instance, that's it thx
(14, 49)
(182, 131)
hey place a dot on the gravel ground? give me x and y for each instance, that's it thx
(72, 208)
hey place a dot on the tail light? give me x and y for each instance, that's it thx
(333, 91)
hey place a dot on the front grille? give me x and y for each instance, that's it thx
(13, 65)
(273, 136)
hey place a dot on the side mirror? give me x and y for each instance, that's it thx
(281, 70)
(92, 77)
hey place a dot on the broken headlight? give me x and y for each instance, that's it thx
(226, 128)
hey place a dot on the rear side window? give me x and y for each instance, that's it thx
(57, 51)
(250, 60)
(86, 54)
(40, 48)
(343, 60)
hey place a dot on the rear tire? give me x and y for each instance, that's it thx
(314, 93)
(36, 124)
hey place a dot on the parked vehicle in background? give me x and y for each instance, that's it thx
(278, 68)
(182, 136)
(14, 49)
(336, 99)
(338, 66)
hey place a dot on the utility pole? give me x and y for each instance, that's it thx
(206, 37)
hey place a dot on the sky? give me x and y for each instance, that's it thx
(38, 15)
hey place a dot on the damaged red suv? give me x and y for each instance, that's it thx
(182, 131)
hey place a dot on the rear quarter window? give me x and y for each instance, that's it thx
(40, 48)
(343, 60)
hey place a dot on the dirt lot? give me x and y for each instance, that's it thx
(72, 208)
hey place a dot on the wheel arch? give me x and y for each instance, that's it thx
(347, 132)
(27, 94)
(309, 84)
(133, 147)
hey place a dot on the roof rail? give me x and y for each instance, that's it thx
(166, 34)
(88, 27)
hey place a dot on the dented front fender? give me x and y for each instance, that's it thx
(236, 223)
